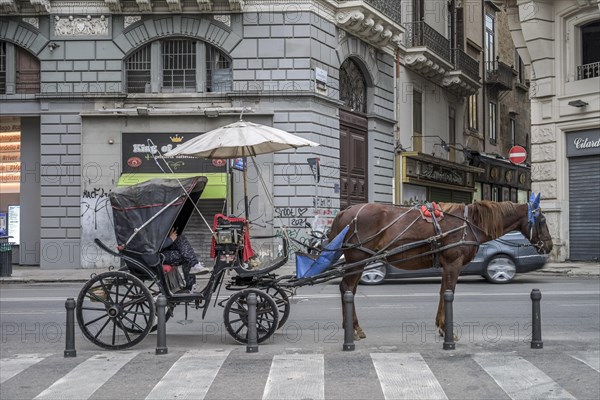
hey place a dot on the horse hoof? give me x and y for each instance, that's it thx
(362, 335)
(356, 336)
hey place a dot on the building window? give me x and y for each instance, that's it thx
(137, 71)
(417, 120)
(353, 88)
(218, 71)
(513, 130)
(493, 122)
(520, 68)
(175, 62)
(178, 65)
(2, 67)
(490, 47)
(472, 113)
(19, 70)
(590, 51)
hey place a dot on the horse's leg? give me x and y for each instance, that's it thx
(450, 274)
(350, 282)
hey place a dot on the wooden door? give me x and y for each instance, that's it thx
(27, 72)
(353, 159)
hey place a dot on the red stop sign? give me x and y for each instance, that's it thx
(517, 155)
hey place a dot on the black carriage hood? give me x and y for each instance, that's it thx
(135, 205)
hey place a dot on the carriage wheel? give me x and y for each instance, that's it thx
(235, 315)
(115, 310)
(282, 299)
(155, 289)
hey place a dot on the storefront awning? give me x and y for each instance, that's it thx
(216, 188)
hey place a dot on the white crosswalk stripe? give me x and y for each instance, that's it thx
(87, 377)
(190, 376)
(590, 358)
(519, 378)
(296, 376)
(406, 376)
(290, 376)
(10, 367)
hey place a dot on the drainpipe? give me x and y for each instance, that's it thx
(483, 78)
(397, 173)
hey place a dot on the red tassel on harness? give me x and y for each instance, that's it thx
(437, 211)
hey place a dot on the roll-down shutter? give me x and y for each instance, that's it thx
(584, 211)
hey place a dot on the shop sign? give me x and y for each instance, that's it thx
(440, 174)
(583, 143)
(143, 153)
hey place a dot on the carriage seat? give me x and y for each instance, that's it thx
(241, 236)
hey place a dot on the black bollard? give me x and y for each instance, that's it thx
(252, 345)
(161, 327)
(348, 321)
(70, 339)
(536, 320)
(449, 318)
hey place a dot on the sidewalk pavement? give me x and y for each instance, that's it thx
(34, 274)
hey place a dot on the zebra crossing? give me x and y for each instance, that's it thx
(194, 374)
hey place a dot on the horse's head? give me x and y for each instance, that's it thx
(537, 231)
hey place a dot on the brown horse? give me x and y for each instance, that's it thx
(403, 238)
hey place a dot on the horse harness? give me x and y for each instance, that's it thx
(431, 214)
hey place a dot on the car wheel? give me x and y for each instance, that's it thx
(374, 276)
(500, 269)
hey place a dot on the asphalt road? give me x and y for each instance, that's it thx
(401, 357)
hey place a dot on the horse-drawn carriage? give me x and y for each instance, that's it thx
(116, 309)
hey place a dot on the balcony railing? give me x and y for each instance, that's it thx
(390, 8)
(465, 63)
(420, 34)
(498, 73)
(588, 71)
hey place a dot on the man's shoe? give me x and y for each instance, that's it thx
(199, 269)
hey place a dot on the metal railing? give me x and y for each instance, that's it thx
(465, 63)
(499, 73)
(390, 8)
(588, 71)
(421, 34)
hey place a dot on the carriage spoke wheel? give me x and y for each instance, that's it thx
(115, 310)
(155, 289)
(282, 299)
(235, 315)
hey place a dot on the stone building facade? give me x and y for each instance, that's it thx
(558, 42)
(88, 88)
(463, 103)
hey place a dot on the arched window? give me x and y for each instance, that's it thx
(19, 70)
(180, 65)
(353, 87)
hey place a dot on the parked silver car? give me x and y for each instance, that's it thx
(499, 261)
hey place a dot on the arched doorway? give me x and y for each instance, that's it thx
(353, 135)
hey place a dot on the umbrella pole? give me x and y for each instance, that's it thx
(245, 187)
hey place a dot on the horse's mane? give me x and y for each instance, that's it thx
(487, 215)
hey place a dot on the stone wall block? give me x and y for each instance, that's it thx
(543, 152)
(543, 171)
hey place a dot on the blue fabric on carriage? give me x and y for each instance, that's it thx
(307, 266)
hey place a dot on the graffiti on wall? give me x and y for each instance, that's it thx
(96, 223)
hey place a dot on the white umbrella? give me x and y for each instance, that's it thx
(240, 139)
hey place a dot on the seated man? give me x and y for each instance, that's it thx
(178, 251)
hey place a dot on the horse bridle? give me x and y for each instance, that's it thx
(535, 218)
